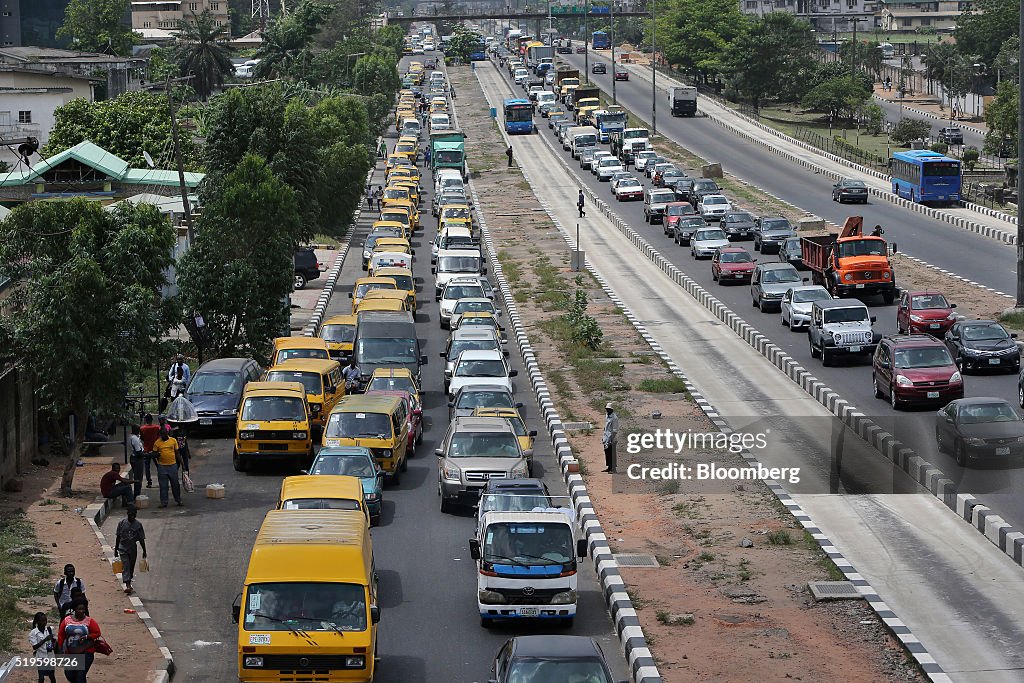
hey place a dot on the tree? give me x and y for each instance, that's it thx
(98, 26)
(464, 42)
(128, 125)
(772, 58)
(1001, 116)
(970, 157)
(984, 28)
(694, 35)
(838, 97)
(1005, 63)
(240, 268)
(376, 74)
(907, 130)
(286, 41)
(89, 311)
(202, 52)
(874, 118)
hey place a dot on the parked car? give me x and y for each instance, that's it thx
(983, 345)
(706, 242)
(951, 135)
(564, 658)
(914, 369)
(215, 390)
(770, 282)
(732, 264)
(924, 311)
(850, 190)
(599, 68)
(795, 309)
(771, 232)
(307, 267)
(791, 252)
(983, 430)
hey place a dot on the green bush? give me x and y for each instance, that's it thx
(584, 328)
(908, 129)
(940, 147)
(970, 157)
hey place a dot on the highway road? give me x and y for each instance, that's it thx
(966, 253)
(430, 629)
(852, 379)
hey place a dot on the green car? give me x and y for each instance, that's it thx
(354, 461)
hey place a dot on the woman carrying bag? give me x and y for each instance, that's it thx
(79, 634)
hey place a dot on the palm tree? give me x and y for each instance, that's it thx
(202, 52)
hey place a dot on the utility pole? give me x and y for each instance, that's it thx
(586, 38)
(653, 69)
(612, 46)
(853, 59)
(1020, 176)
(177, 151)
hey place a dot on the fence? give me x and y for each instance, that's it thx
(992, 195)
(842, 148)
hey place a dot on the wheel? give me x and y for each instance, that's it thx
(238, 462)
(878, 390)
(939, 446)
(782, 318)
(714, 276)
(1020, 395)
(760, 306)
(814, 350)
(446, 508)
(911, 195)
(755, 303)
(405, 463)
(960, 454)
(888, 297)
(396, 478)
(826, 357)
(300, 281)
(893, 400)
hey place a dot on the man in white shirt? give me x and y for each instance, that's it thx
(172, 373)
(610, 436)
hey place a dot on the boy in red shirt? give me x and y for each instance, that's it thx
(150, 433)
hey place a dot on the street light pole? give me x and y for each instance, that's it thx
(612, 46)
(586, 37)
(654, 69)
(1020, 157)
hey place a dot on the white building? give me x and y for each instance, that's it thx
(821, 13)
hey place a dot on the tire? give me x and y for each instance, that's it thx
(782, 319)
(484, 621)
(894, 402)
(567, 622)
(396, 478)
(826, 358)
(300, 281)
(405, 463)
(760, 306)
(446, 508)
(959, 454)
(878, 390)
(813, 349)
(888, 298)
(757, 246)
(238, 462)
(755, 303)
(1020, 395)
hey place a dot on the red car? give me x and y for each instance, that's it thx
(621, 74)
(581, 49)
(915, 368)
(926, 312)
(732, 264)
(673, 212)
(415, 416)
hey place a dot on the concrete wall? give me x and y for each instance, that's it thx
(18, 436)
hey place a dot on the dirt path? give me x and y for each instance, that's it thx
(712, 610)
(65, 536)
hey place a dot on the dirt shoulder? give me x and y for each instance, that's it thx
(62, 535)
(745, 610)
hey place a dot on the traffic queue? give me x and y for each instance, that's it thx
(347, 408)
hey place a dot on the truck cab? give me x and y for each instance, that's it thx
(527, 565)
(851, 263)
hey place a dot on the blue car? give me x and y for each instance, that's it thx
(354, 461)
(215, 390)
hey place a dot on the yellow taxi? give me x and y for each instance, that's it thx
(408, 148)
(321, 379)
(409, 172)
(454, 222)
(370, 303)
(339, 331)
(286, 348)
(399, 295)
(405, 203)
(392, 192)
(394, 379)
(378, 422)
(273, 425)
(366, 284)
(398, 226)
(411, 186)
(395, 160)
(456, 211)
(404, 281)
(390, 215)
(393, 244)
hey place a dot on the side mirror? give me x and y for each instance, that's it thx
(518, 405)
(350, 295)
(947, 417)
(423, 359)
(873, 319)
(374, 614)
(303, 471)
(952, 305)
(236, 608)
(438, 452)
(1013, 335)
(528, 453)
(513, 373)
(505, 353)
(443, 354)
(581, 547)
(474, 548)
(807, 279)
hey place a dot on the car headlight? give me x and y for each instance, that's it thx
(973, 441)
(253, 662)
(564, 598)
(246, 435)
(366, 253)
(487, 597)
(300, 435)
(520, 471)
(887, 275)
(956, 377)
(355, 661)
(903, 381)
(849, 276)
(232, 411)
(372, 497)
(917, 318)
(383, 452)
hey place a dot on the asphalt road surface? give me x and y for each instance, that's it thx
(973, 256)
(430, 630)
(998, 488)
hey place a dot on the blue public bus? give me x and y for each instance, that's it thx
(924, 176)
(599, 40)
(518, 116)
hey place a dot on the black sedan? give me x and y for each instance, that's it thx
(599, 68)
(980, 430)
(738, 225)
(850, 190)
(550, 658)
(983, 345)
(685, 227)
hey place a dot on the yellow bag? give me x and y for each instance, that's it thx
(117, 566)
(143, 565)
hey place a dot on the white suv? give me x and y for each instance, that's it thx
(455, 289)
(481, 367)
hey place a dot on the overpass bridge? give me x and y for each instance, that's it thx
(456, 17)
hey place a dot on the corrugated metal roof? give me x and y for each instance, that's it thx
(89, 154)
(155, 176)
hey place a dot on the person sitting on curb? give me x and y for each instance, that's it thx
(113, 485)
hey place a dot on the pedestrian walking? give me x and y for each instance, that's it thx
(451, 89)
(610, 436)
(79, 634)
(150, 433)
(426, 156)
(382, 151)
(113, 485)
(137, 459)
(62, 589)
(508, 153)
(167, 460)
(378, 194)
(580, 201)
(129, 536)
(42, 640)
(369, 197)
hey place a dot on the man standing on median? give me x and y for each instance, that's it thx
(610, 436)
(580, 201)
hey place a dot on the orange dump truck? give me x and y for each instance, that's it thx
(850, 263)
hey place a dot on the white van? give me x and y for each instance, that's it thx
(455, 237)
(447, 178)
(579, 138)
(440, 122)
(437, 77)
(411, 127)
(453, 263)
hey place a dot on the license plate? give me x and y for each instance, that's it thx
(859, 286)
(744, 233)
(993, 361)
(934, 326)
(533, 611)
(933, 394)
(205, 421)
(854, 349)
(1003, 450)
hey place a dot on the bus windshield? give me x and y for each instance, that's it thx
(519, 112)
(941, 169)
(305, 606)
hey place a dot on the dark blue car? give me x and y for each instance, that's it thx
(216, 390)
